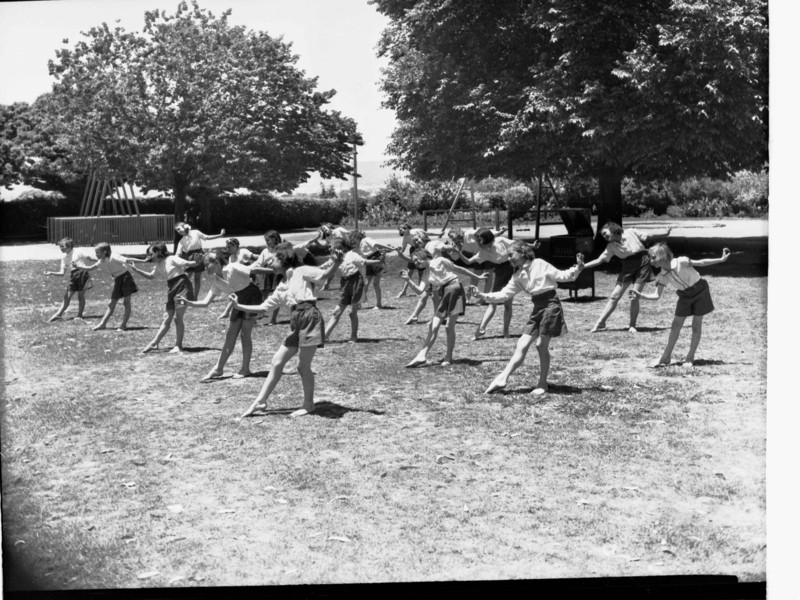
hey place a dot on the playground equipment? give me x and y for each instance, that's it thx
(123, 223)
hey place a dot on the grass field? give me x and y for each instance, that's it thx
(122, 470)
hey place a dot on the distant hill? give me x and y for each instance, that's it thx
(373, 177)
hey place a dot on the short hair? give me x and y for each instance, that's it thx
(660, 251)
(286, 255)
(613, 228)
(212, 258)
(181, 224)
(67, 241)
(526, 250)
(420, 239)
(421, 254)
(158, 250)
(484, 236)
(234, 241)
(456, 234)
(104, 247)
(273, 235)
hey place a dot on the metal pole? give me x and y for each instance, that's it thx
(355, 181)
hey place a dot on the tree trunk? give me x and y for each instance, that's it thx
(610, 206)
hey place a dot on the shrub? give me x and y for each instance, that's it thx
(749, 193)
(435, 195)
(26, 217)
(641, 197)
(519, 199)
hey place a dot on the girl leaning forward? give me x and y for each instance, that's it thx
(307, 327)
(539, 279)
(173, 270)
(449, 299)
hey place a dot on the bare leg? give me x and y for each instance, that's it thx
(126, 313)
(353, 324)
(543, 347)
(508, 309)
(378, 291)
(697, 331)
(62, 309)
(423, 300)
(433, 331)
(198, 279)
(180, 328)
(81, 303)
(487, 316)
(162, 331)
(610, 306)
(520, 351)
(112, 304)
(307, 378)
(279, 360)
(450, 332)
(337, 314)
(639, 286)
(674, 332)
(274, 318)
(247, 345)
(227, 348)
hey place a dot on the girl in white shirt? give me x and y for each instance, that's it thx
(694, 296)
(492, 253)
(376, 254)
(173, 270)
(449, 299)
(79, 280)
(115, 266)
(540, 280)
(306, 324)
(231, 278)
(190, 247)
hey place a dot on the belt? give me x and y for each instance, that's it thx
(304, 305)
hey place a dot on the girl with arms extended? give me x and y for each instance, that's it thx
(172, 269)
(694, 297)
(307, 328)
(79, 280)
(189, 246)
(539, 279)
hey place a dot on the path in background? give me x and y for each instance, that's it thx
(755, 230)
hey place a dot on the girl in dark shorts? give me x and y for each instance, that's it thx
(492, 253)
(629, 246)
(172, 269)
(694, 297)
(235, 278)
(449, 300)
(353, 270)
(79, 280)
(307, 328)
(116, 266)
(189, 246)
(540, 280)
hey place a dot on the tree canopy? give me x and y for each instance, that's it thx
(192, 100)
(513, 87)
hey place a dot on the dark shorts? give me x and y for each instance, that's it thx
(78, 278)
(635, 269)
(249, 295)
(124, 286)
(307, 327)
(449, 299)
(352, 289)
(373, 270)
(547, 316)
(178, 286)
(502, 275)
(194, 255)
(694, 300)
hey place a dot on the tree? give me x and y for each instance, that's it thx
(194, 101)
(608, 88)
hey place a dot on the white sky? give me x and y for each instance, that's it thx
(334, 39)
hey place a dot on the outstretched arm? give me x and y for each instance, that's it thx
(467, 273)
(145, 274)
(707, 262)
(418, 287)
(219, 235)
(654, 296)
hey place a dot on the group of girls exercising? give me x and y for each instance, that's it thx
(286, 275)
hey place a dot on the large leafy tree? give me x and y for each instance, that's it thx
(608, 88)
(195, 101)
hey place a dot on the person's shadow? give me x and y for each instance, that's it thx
(325, 409)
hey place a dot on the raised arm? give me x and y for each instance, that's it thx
(219, 235)
(707, 262)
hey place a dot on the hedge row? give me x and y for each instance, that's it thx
(26, 217)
